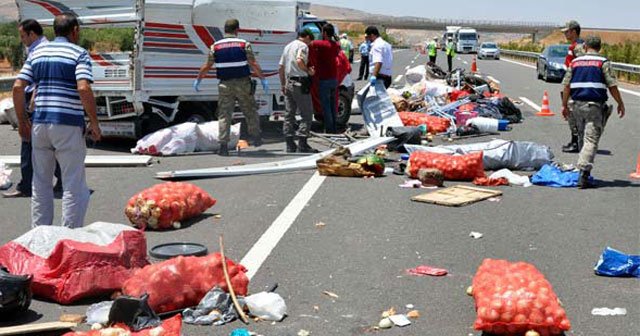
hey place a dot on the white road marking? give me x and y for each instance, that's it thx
(407, 67)
(398, 78)
(493, 79)
(465, 62)
(530, 103)
(629, 91)
(263, 247)
(518, 63)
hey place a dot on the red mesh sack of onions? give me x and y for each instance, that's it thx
(454, 167)
(514, 299)
(434, 124)
(165, 205)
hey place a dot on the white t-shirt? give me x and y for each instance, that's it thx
(289, 59)
(381, 53)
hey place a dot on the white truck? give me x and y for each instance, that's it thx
(449, 32)
(466, 40)
(149, 88)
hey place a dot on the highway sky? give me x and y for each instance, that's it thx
(590, 13)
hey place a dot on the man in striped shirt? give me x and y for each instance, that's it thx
(61, 71)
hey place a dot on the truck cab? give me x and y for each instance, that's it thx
(466, 40)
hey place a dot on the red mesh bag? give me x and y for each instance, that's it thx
(164, 205)
(454, 167)
(183, 281)
(434, 124)
(169, 327)
(513, 298)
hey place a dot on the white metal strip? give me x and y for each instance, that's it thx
(96, 160)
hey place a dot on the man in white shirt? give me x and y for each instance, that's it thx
(380, 57)
(295, 80)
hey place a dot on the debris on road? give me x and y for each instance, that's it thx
(216, 308)
(331, 294)
(339, 163)
(414, 314)
(455, 196)
(617, 264)
(608, 311)
(475, 235)
(490, 182)
(74, 318)
(462, 167)
(385, 323)
(267, 306)
(169, 327)
(303, 332)
(427, 270)
(5, 177)
(551, 175)
(400, 320)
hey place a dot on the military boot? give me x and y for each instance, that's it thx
(303, 146)
(583, 180)
(291, 144)
(224, 150)
(572, 146)
(256, 141)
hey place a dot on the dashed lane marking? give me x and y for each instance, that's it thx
(493, 79)
(398, 78)
(518, 63)
(530, 103)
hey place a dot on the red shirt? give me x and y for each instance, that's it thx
(571, 54)
(323, 56)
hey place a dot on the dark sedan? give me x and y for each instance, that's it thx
(550, 64)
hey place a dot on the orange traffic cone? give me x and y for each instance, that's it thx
(545, 111)
(474, 65)
(636, 175)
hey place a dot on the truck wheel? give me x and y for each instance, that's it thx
(196, 118)
(149, 122)
(344, 110)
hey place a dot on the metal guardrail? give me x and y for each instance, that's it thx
(6, 83)
(620, 67)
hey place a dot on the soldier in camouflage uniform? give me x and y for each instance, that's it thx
(572, 34)
(233, 59)
(586, 82)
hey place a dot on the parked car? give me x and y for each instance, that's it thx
(550, 64)
(489, 50)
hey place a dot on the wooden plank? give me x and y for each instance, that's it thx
(38, 327)
(457, 196)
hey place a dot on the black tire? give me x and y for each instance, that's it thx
(149, 122)
(344, 110)
(197, 112)
(545, 76)
(538, 72)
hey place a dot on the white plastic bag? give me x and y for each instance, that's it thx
(513, 178)
(5, 104)
(99, 313)
(267, 306)
(208, 136)
(415, 74)
(6, 107)
(176, 139)
(5, 181)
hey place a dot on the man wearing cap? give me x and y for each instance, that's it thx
(233, 59)
(572, 33)
(586, 82)
(451, 53)
(346, 46)
(432, 49)
(295, 80)
(380, 57)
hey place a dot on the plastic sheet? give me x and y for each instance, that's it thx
(552, 176)
(215, 308)
(185, 138)
(267, 306)
(618, 264)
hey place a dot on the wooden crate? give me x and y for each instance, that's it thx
(459, 195)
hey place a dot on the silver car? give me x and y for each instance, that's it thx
(489, 50)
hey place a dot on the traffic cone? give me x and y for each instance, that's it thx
(474, 65)
(545, 111)
(636, 175)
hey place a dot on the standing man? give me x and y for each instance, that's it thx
(324, 59)
(346, 46)
(232, 58)
(451, 53)
(31, 36)
(364, 60)
(586, 81)
(432, 49)
(295, 79)
(61, 71)
(381, 57)
(572, 34)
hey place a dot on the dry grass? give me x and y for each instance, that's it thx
(609, 37)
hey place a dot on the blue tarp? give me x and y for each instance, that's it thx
(552, 176)
(617, 264)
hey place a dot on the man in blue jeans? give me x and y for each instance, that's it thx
(324, 54)
(31, 36)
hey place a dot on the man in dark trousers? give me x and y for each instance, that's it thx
(31, 36)
(364, 48)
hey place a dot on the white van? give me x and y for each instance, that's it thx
(150, 88)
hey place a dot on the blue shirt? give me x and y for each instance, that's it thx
(41, 40)
(364, 48)
(55, 68)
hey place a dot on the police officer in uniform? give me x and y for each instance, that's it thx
(572, 34)
(233, 60)
(586, 82)
(432, 49)
(451, 53)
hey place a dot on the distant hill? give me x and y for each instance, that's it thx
(8, 11)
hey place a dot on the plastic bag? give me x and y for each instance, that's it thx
(173, 140)
(71, 264)
(164, 205)
(454, 167)
(415, 74)
(617, 264)
(434, 124)
(514, 179)
(552, 176)
(182, 282)
(98, 313)
(170, 327)
(377, 109)
(5, 177)
(267, 306)
(208, 137)
(512, 298)
(215, 308)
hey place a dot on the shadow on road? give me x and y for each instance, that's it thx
(616, 184)
(29, 317)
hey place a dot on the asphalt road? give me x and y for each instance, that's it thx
(373, 232)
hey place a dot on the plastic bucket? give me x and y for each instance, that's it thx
(502, 125)
(463, 116)
(485, 125)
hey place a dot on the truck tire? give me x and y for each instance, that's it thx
(197, 112)
(344, 110)
(149, 122)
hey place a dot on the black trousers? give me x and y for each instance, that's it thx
(450, 62)
(364, 68)
(386, 80)
(432, 59)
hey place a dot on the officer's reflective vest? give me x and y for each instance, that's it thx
(231, 58)
(587, 80)
(450, 51)
(432, 47)
(345, 45)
